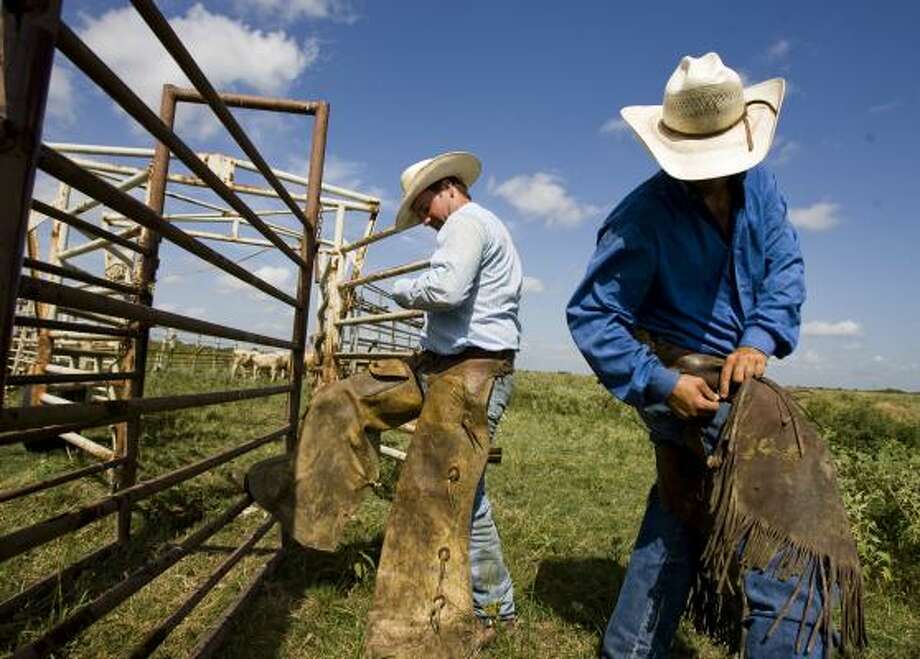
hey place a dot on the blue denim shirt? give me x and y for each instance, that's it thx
(662, 264)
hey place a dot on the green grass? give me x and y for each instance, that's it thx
(568, 499)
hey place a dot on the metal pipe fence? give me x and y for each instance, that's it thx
(120, 304)
(87, 332)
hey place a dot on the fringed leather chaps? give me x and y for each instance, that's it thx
(770, 487)
(423, 604)
(774, 488)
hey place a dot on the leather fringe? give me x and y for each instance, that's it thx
(714, 602)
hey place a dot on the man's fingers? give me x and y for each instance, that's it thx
(760, 367)
(706, 400)
(740, 372)
(709, 405)
(707, 392)
(726, 376)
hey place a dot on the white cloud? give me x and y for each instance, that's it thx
(615, 126)
(811, 357)
(277, 276)
(779, 50)
(533, 285)
(290, 10)
(171, 279)
(61, 97)
(817, 217)
(885, 107)
(274, 275)
(275, 327)
(342, 172)
(824, 328)
(543, 196)
(783, 150)
(192, 312)
(231, 54)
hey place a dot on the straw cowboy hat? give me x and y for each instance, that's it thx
(415, 178)
(710, 125)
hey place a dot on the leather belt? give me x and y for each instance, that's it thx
(473, 353)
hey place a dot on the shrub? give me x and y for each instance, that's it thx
(876, 453)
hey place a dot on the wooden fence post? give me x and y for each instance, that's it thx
(128, 436)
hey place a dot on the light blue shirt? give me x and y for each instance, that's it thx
(471, 291)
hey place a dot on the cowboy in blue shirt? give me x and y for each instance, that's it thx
(700, 257)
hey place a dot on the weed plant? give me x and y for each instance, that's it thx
(876, 445)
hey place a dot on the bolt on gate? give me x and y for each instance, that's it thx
(122, 308)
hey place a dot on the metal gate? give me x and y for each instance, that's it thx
(121, 308)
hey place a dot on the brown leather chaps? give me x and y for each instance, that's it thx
(423, 601)
(769, 488)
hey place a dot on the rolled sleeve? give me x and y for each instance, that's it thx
(401, 292)
(448, 280)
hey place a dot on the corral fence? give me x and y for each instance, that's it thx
(99, 308)
(80, 335)
(355, 320)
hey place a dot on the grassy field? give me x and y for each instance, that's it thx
(568, 499)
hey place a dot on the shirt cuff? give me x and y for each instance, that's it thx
(757, 337)
(660, 385)
(401, 288)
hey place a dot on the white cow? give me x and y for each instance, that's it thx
(241, 359)
(276, 363)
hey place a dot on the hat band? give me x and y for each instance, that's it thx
(742, 119)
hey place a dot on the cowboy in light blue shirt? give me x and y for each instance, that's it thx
(441, 567)
(471, 294)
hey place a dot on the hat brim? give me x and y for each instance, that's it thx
(461, 164)
(695, 158)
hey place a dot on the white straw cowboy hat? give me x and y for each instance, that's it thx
(415, 178)
(710, 125)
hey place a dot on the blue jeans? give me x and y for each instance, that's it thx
(658, 580)
(493, 591)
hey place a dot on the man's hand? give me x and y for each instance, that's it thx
(401, 292)
(693, 398)
(745, 362)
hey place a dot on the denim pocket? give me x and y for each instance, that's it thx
(662, 424)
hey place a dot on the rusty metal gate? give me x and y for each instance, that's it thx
(31, 31)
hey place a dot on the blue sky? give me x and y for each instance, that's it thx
(534, 89)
